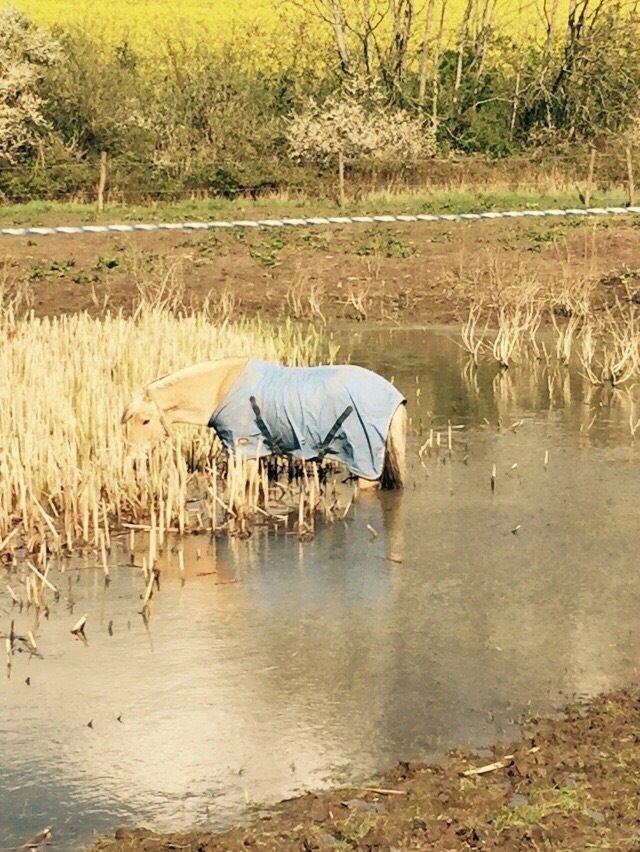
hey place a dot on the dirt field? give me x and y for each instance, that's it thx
(570, 784)
(423, 272)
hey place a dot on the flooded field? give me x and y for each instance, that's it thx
(427, 619)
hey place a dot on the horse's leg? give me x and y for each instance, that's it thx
(243, 480)
(252, 480)
(395, 468)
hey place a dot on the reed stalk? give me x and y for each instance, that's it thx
(65, 475)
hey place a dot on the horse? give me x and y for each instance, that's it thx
(337, 412)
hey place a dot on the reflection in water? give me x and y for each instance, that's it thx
(272, 666)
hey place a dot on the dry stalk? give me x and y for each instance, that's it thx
(565, 335)
(65, 476)
(516, 322)
(472, 342)
(359, 303)
(610, 350)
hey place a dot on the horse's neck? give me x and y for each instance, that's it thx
(192, 395)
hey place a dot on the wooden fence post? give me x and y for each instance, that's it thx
(341, 177)
(102, 181)
(589, 187)
(631, 187)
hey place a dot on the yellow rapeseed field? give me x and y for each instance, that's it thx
(270, 31)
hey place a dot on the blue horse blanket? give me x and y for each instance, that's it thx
(342, 413)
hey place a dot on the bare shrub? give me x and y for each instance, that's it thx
(355, 124)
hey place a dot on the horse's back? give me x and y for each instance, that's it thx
(301, 406)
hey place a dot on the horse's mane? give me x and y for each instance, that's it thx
(189, 372)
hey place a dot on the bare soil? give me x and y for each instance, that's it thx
(571, 783)
(418, 272)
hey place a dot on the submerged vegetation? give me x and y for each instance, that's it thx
(65, 475)
(606, 342)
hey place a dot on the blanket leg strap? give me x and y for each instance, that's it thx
(324, 446)
(264, 430)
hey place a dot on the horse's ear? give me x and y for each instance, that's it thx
(129, 411)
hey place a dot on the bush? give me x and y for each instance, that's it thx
(355, 125)
(25, 52)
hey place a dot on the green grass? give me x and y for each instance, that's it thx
(436, 201)
(385, 245)
(543, 803)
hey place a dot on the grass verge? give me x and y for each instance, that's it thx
(37, 213)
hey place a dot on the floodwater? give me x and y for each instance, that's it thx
(328, 661)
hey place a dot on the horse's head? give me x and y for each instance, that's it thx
(143, 422)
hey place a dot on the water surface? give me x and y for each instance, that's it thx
(328, 661)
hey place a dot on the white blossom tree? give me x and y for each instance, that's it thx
(357, 124)
(25, 51)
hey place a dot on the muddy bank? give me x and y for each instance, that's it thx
(417, 272)
(570, 783)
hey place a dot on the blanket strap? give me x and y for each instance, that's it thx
(262, 426)
(324, 446)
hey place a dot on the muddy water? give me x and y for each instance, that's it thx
(274, 667)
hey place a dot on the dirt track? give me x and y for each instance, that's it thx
(425, 272)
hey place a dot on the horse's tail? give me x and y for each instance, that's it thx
(394, 470)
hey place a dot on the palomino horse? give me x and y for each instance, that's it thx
(342, 413)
